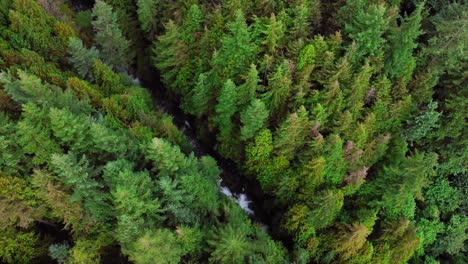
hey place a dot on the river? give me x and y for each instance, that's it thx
(244, 191)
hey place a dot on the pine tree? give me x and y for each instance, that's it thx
(82, 58)
(168, 160)
(192, 24)
(77, 174)
(231, 246)
(238, 50)
(280, 88)
(199, 98)
(170, 55)
(366, 30)
(109, 37)
(258, 153)
(274, 32)
(253, 119)
(325, 207)
(160, 244)
(147, 15)
(350, 239)
(34, 134)
(292, 134)
(226, 106)
(248, 90)
(403, 41)
(358, 90)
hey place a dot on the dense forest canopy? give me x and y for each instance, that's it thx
(350, 116)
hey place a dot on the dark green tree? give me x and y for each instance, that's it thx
(109, 37)
(82, 58)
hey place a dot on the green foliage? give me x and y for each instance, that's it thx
(147, 12)
(85, 251)
(292, 134)
(82, 58)
(258, 153)
(274, 33)
(366, 29)
(76, 173)
(325, 207)
(247, 90)
(198, 102)
(306, 57)
(453, 239)
(19, 247)
(168, 160)
(160, 244)
(445, 197)
(32, 28)
(253, 119)
(226, 105)
(59, 252)
(350, 115)
(403, 42)
(423, 123)
(109, 37)
(280, 88)
(237, 50)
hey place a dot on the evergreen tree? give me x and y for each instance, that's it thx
(253, 119)
(403, 41)
(280, 88)
(226, 106)
(248, 90)
(77, 174)
(366, 30)
(238, 50)
(147, 15)
(350, 239)
(199, 98)
(109, 37)
(82, 58)
(170, 55)
(160, 244)
(274, 32)
(292, 134)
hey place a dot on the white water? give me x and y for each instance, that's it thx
(241, 199)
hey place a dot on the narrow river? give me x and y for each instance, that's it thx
(244, 191)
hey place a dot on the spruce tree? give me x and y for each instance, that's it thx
(109, 37)
(253, 119)
(403, 41)
(238, 50)
(82, 58)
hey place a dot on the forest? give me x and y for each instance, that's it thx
(127, 125)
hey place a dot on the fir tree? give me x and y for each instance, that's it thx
(82, 58)
(253, 119)
(109, 37)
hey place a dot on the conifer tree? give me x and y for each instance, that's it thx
(82, 58)
(274, 32)
(199, 98)
(192, 24)
(281, 85)
(350, 239)
(226, 106)
(293, 133)
(403, 41)
(109, 37)
(366, 29)
(147, 15)
(238, 50)
(170, 55)
(248, 90)
(253, 119)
